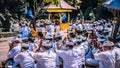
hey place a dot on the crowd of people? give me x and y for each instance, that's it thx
(86, 43)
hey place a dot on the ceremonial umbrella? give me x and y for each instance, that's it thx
(113, 4)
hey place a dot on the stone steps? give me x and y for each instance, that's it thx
(7, 34)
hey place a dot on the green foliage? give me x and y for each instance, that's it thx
(55, 2)
(103, 13)
(87, 13)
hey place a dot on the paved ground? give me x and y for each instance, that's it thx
(4, 48)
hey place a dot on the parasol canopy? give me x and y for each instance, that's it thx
(113, 4)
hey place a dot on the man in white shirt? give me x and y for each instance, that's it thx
(117, 56)
(70, 57)
(50, 28)
(107, 57)
(24, 32)
(15, 49)
(80, 48)
(15, 27)
(25, 58)
(47, 58)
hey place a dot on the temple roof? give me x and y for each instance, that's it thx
(62, 5)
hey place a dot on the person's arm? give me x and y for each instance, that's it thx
(36, 49)
(63, 42)
(10, 45)
(98, 55)
(11, 53)
(88, 36)
(18, 58)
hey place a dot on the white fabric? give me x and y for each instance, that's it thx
(16, 27)
(57, 27)
(24, 31)
(69, 43)
(50, 29)
(108, 43)
(79, 27)
(82, 55)
(117, 54)
(70, 58)
(25, 60)
(46, 43)
(46, 59)
(100, 27)
(40, 29)
(32, 46)
(58, 35)
(14, 51)
(37, 41)
(106, 59)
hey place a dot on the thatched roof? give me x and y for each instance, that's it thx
(62, 5)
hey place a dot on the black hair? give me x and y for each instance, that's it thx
(40, 34)
(41, 25)
(47, 47)
(72, 35)
(25, 48)
(79, 32)
(31, 39)
(25, 40)
(70, 47)
(78, 42)
(17, 41)
(60, 38)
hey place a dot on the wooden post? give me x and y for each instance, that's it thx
(68, 17)
(49, 15)
(60, 18)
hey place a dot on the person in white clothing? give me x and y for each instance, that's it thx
(106, 57)
(117, 56)
(24, 58)
(82, 51)
(15, 27)
(15, 48)
(24, 32)
(46, 58)
(70, 56)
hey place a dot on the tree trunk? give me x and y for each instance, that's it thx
(116, 29)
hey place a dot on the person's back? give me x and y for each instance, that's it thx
(107, 56)
(108, 60)
(117, 57)
(70, 59)
(70, 56)
(16, 27)
(46, 59)
(25, 60)
(24, 31)
(51, 29)
(15, 48)
(14, 51)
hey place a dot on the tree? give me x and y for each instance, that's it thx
(20, 6)
(37, 5)
(87, 13)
